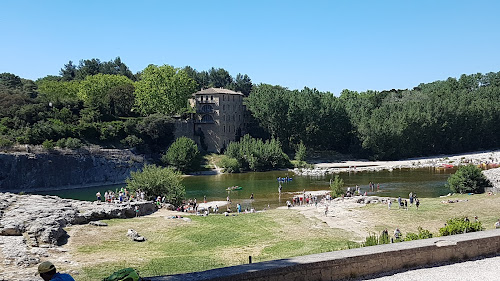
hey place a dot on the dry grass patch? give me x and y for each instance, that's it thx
(432, 213)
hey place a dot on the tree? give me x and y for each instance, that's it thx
(68, 72)
(95, 90)
(300, 154)
(121, 99)
(88, 68)
(337, 186)
(163, 89)
(158, 181)
(58, 91)
(219, 78)
(243, 84)
(10, 80)
(183, 154)
(468, 179)
(157, 130)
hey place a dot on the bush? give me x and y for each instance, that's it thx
(411, 236)
(5, 142)
(257, 155)
(371, 240)
(73, 143)
(300, 154)
(337, 186)
(228, 164)
(132, 141)
(48, 144)
(468, 179)
(460, 225)
(158, 181)
(61, 143)
(183, 154)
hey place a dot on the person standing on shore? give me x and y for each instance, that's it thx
(98, 195)
(389, 203)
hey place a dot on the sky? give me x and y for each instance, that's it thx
(327, 45)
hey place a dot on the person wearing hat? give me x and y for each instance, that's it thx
(47, 271)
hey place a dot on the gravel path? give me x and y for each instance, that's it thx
(482, 269)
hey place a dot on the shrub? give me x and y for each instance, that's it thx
(73, 143)
(424, 233)
(300, 154)
(460, 225)
(183, 154)
(468, 179)
(257, 155)
(132, 141)
(48, 144)
(337, 186)
(5, 142)
(371, 240)
(411, 236)
(61, 143)
(158, 181)
(228, 164)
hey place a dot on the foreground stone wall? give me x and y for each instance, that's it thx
(357, 262)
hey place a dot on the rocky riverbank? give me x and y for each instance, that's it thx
(31, 226)
(490, 157)
(37, 169)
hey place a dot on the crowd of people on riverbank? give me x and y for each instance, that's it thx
(120, 196)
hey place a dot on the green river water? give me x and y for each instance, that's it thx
(427, 182)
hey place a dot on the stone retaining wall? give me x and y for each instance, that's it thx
(357, 262)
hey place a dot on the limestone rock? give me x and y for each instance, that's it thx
(134, 236)
(98, 223)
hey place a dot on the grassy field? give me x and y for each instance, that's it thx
(177, 246)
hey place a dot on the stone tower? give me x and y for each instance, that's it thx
(219, 117)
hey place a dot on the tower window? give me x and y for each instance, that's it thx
(207, 119)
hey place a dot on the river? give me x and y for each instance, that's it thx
(427, 182)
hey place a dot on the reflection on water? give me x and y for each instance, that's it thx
(264, 186)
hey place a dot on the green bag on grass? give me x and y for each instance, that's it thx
(126, 274)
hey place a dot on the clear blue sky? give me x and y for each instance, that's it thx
(328, 45)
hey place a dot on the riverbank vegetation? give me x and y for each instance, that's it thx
(250, 154)
(468, 179)
(158, 181)
(104, 103)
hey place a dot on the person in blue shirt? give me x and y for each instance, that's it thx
(48, 272)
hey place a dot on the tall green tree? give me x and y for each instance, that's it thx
(95, 90)
(68, 72)
(163, 89)
(183, 154)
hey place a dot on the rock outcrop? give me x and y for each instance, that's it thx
(43, 170)
(134, 236)
(38, 221)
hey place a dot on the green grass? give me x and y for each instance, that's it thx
(175, 246)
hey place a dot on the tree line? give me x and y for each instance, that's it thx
(451, 116)
(104, 103)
